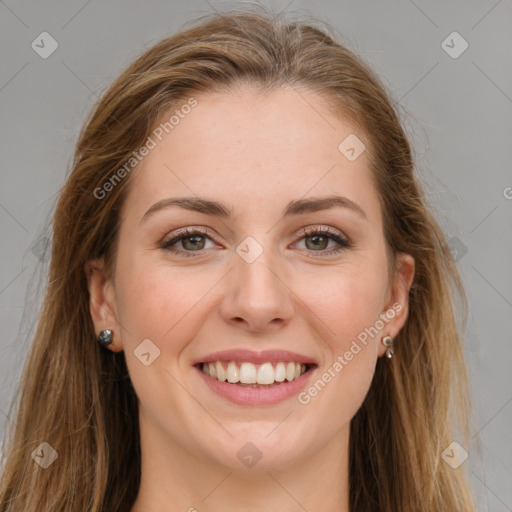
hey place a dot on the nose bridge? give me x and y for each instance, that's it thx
(257, 292)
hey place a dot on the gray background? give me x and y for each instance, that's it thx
(459, 119)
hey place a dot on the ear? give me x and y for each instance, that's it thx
(398, 302)
(102, 302)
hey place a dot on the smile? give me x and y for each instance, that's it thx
(252, 384)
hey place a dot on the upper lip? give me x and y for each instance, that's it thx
(244, 355)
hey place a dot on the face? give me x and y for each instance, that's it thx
(262, 282)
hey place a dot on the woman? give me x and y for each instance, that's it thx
(249, 306)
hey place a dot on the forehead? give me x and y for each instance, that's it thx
(246, 148)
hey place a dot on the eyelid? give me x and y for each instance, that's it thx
(309, 230)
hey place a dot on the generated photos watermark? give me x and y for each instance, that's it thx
(344, 359)
(156, 136)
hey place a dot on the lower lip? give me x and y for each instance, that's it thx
(256, 396)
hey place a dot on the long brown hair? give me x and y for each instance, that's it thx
(79, 399)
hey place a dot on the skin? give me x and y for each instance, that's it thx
(254, 153)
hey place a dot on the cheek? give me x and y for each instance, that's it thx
(348, 308)
(347, 302)
(157, 302)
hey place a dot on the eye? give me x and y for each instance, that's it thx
(193, 240)
(317, 239)
(190, 240)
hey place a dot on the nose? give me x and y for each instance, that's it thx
(257, 298)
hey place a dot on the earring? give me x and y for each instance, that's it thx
(388, 341)
(105, 337)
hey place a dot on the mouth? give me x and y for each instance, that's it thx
(255, 383)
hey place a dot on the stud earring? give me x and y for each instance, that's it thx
(388, 341)
(105, 337)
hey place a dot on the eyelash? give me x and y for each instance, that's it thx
(305, 232)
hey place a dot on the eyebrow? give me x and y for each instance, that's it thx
(216, 209)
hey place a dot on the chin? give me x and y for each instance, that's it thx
(254, 449)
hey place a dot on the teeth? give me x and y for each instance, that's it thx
(249, 373)
(290, 371)
(219, 371)
(232, 373)
(265, 374)
(280, 372)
